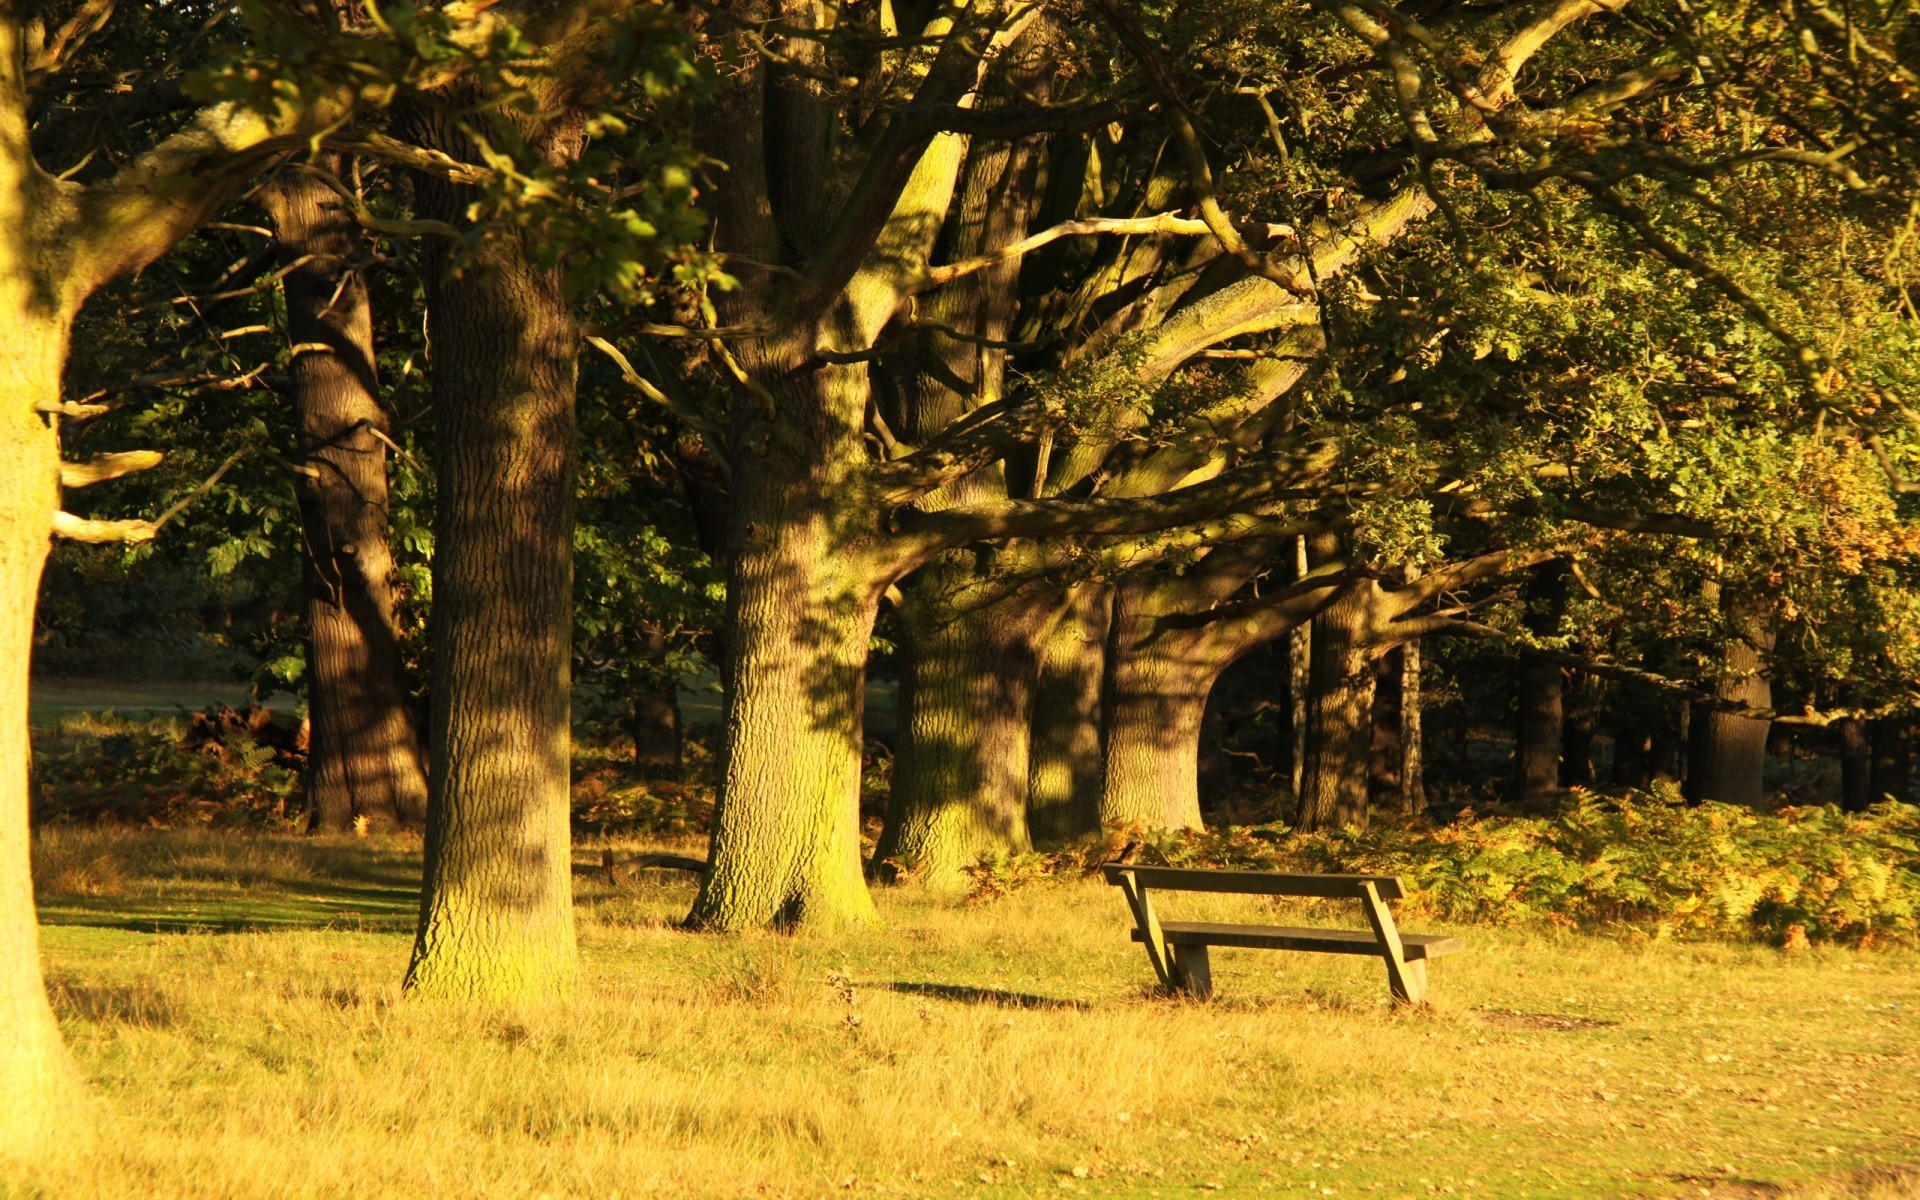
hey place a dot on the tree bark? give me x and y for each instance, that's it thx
(786, 832)
(37, 1080)
(1856, 765)
(1726, 754)
(1413, 751)
(1576, 741)
(659, 739)
(960, 774)
(1299, 681)
(366, 760)
(496, 909)
(1155, 706)
(1339, 715)
(1065, 762)
(1539, 725)
(1538, 729)
(1386, 757)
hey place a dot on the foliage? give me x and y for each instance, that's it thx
(1642, 861)
(101, 770)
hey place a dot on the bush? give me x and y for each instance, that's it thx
(105, 771)
(1643, 861)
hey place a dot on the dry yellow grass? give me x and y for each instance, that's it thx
(1005, 1050)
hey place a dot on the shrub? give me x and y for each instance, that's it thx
(1644, 861)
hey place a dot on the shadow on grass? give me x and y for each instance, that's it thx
(962, 994)
(317, 906)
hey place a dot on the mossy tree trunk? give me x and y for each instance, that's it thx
(801, 602)
(60, 241)
(37, 1082)
(1173, 636)
(1066, 763)
(367, 762)
(1540, 708)
(496, 909)
(960, 772)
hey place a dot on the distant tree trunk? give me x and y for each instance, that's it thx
(366, 761)
(1064, 764)
(1340, 716)
(1856, 765)
(659, 739)
(496, 909)
(1576, 742)
(1892, 760)
(37, 1081)
(1387, 755)
(1413, 765)
(1727, 754)
(1299, 681)
(1540, 709)
(1538, 730)
(960, 769)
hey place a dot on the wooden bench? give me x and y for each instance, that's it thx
(1178, 949)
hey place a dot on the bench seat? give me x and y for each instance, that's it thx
(1301, 937)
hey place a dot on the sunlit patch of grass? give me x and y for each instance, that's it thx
(1005, 1049)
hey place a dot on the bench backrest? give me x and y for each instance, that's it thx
(1257, 883)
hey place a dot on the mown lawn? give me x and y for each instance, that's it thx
(234, 1000)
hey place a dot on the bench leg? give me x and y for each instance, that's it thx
(1192, 972)
(1407, 981)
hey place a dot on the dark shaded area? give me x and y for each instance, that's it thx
(961, 993)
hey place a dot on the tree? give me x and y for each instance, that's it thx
(367, 761)
(61, 239)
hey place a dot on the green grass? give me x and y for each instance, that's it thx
(234, 1001)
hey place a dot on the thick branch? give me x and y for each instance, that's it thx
(102, 467)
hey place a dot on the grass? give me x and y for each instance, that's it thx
(234, 1001)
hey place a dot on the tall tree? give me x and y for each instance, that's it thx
(367, 761)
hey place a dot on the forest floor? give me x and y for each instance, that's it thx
(234, 1001)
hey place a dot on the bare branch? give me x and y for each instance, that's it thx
(102, 467)
(1163, 223)
(714, 434)
(82, 529)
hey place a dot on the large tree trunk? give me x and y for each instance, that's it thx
(960, 772)
(37, 1082)
(366, 761)
(1065, 760)
(1155, 707)
(1339, 715)
(496, 911)
(1727, 754)
(786, 831)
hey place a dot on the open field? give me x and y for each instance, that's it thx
(235, 1002)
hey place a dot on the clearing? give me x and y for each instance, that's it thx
(234, 1000)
